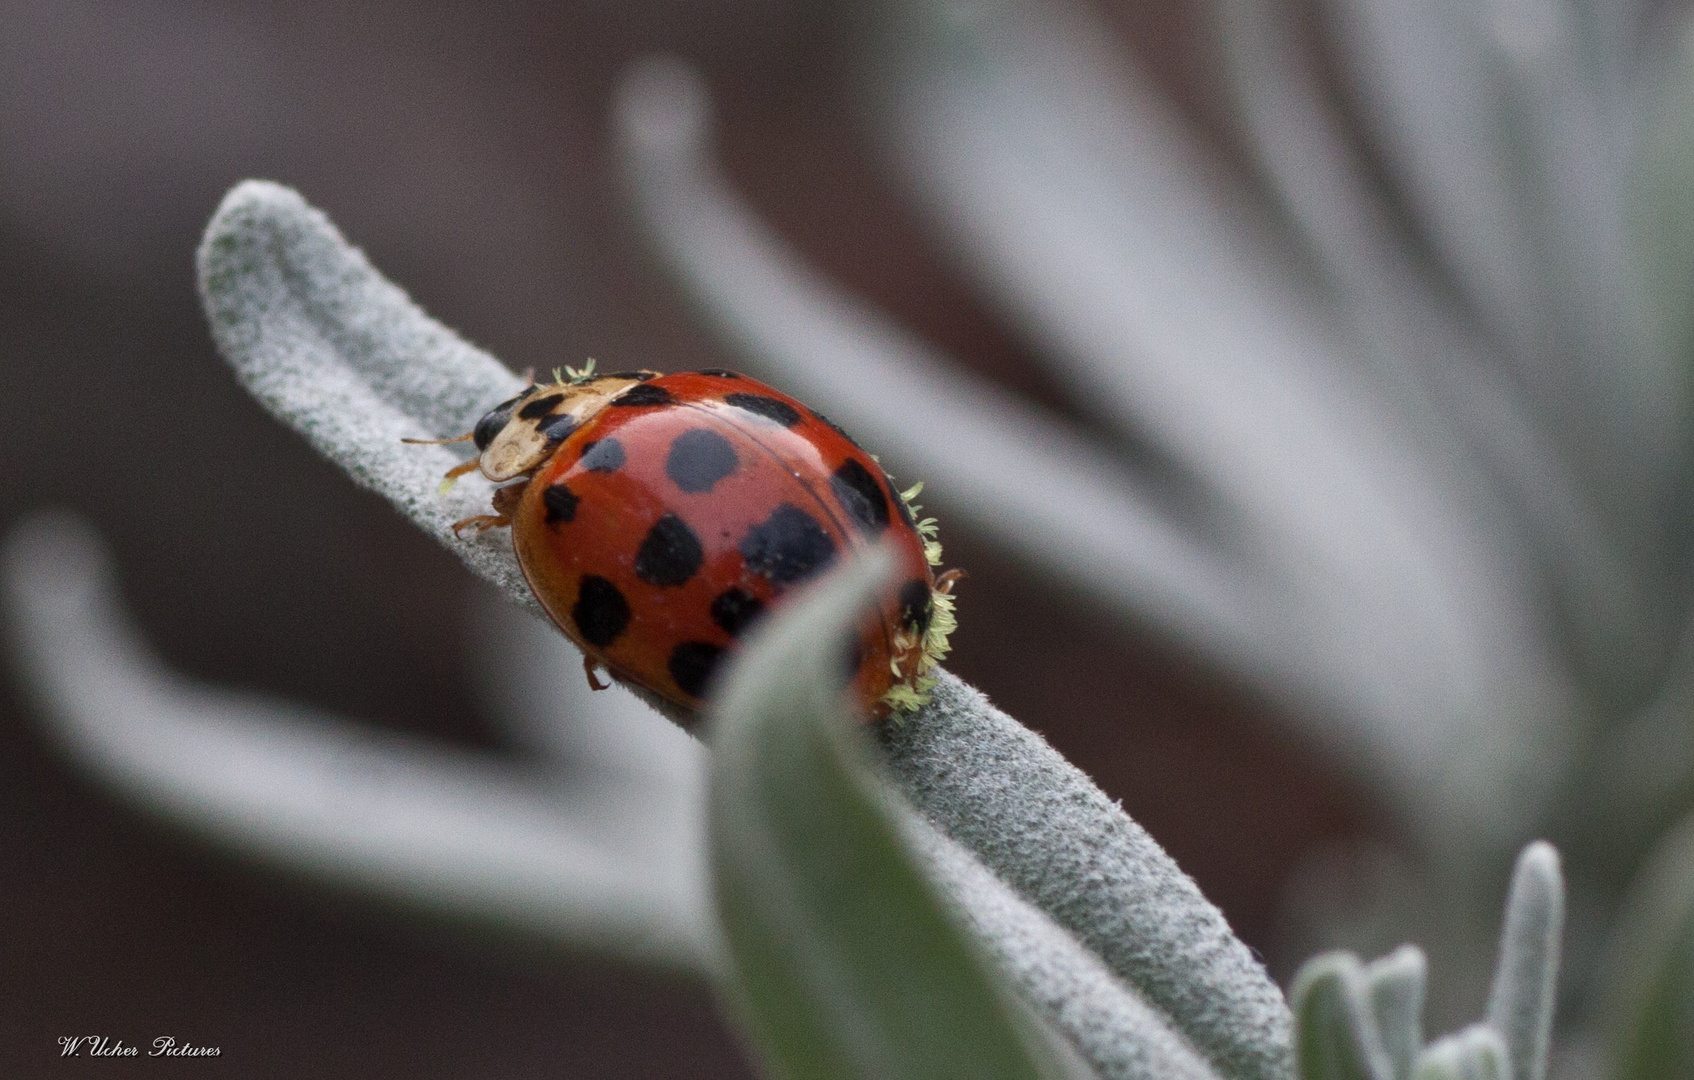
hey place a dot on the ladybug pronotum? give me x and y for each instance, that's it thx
(657, 517)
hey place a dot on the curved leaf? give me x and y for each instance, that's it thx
(988, 783)
(341, 354)
(1173, 310)
(1395, 984)
(605, 863)
(1003, 792)
(979, 448)
(1115, 1027)
(843, 960)
(1526, 977)
(1336, 1036)
(1648, 991)
(1420, 340)
(1476, 1053)
(1662, 223)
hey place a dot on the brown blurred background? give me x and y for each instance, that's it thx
(466, 148)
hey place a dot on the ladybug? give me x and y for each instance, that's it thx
(658, 517)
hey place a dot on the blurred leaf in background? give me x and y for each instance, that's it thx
(845, 961)
(1357, 370)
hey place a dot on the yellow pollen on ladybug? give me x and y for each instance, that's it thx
(911, 692)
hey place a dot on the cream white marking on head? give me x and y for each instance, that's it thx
(518, 435)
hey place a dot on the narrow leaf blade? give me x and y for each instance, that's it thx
(1476, 1053)
(844, 962)
(605, 863)
(1396, 987)
(1036, 820)
(1648, 996)
(1335, 1036)
(1520, 1006)
(344, 357)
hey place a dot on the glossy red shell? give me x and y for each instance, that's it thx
(679, 514)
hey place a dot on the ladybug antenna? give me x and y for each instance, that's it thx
(466, 437)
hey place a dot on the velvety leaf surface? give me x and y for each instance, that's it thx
(844, 962)
(1649, 987)
(1335, 1033)
(284, 290)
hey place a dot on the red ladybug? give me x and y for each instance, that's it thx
(657, 517)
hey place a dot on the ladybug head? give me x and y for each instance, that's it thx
(495, 419)
(515, 437)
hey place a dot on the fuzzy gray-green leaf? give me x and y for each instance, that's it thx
(328, 346)
(1003, 792)
(1663, 218)
(1395, 985)
(1649, 990)
(1335, 1035)
(1476, 1053)
(844, 961)
(341, 354)
(1520, 1006)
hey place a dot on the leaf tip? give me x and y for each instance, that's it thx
(663, 108)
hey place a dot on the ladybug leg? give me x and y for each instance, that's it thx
(506, 500)
(944, 583)
(588, 666)
(505, 505)
(479, 524)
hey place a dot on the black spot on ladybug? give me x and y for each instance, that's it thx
(916, 605)
(560, 502)
(601, 613)
(788, 546)
(691, 665)
(861, 496)
(644, 394)
(492, 421)
(718, 373)
(735, 609)
(639, 376)
(556, 429)
(602, 455)
(698, 459)
(833, 426)
(671, 553)
(768, 407)
(541, 406)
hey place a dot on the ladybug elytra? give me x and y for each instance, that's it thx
(657, 517)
